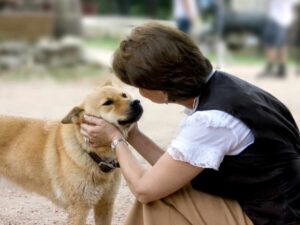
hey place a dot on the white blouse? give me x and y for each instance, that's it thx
(205, 137)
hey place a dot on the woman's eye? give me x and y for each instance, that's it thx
(108, 102)
(124, 95)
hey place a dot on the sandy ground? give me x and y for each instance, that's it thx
(47, 99)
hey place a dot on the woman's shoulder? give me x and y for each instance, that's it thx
(211, 118)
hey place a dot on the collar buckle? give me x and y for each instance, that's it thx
(104, 166)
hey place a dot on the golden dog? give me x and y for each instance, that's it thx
(52, 158)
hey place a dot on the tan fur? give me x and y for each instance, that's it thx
(51, 158)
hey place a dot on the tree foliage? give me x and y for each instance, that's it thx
(160, 9)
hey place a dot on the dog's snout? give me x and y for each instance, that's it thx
(135, 104)
(134, 114)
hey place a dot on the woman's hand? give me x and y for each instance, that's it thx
(98, 131)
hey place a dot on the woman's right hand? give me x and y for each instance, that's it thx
(98, 131)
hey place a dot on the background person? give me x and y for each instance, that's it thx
(295, 37)
(185, 12)
(280, 14)
(236, 158)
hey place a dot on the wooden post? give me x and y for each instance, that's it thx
(67, 18)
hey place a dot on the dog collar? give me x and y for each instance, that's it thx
(104, 166)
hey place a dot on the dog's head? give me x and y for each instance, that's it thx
(109, 103)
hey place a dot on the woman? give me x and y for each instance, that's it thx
(236, 157)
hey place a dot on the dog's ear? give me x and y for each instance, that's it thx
(74, 116)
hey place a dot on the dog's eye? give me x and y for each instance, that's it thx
(124, 95)
(108, 102)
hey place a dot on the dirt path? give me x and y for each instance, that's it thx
(50, 100)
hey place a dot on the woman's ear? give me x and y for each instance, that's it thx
(166, 98)
(74, 116)
(108, 82)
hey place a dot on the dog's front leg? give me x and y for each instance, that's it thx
(103, 212)
(77, 214)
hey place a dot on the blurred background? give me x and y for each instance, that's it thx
(53, 52)
(54, 36)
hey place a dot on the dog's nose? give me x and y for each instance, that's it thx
(135, 104)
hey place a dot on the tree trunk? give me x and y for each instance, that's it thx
(67, 18)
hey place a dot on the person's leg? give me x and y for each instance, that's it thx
(188, 207)
(282, 58)
(281, 52)
(298, 61)
(271, 38)
(271, 55)
(155, 213)
(271, 58)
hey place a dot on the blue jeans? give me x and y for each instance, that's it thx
(184, 24)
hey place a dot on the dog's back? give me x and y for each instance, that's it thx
(20, 150)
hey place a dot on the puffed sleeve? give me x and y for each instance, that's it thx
(205, 137)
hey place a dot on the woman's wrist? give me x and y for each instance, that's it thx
(116, 135)
(116, 141)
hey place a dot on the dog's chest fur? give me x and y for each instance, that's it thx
(77, 178)
(83, 189)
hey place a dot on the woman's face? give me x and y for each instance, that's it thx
(154, 95)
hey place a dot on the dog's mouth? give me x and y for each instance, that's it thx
(136, 111)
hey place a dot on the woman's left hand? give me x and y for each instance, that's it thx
(98, 131)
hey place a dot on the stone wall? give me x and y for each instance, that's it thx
(29, 26)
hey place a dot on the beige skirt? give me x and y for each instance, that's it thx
(188, 207)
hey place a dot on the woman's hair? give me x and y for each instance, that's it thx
(159, 57)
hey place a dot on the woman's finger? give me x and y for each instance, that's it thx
(83, 132)
(88, 129)
(84, 127)
(89, 138)
(92, 120)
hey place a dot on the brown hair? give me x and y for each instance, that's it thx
(159, 57)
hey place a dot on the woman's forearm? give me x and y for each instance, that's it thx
(156, 182)
(132, 170)
(145, 147)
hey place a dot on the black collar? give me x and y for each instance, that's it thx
(104, 165)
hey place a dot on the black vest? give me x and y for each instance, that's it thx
(265, 177)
